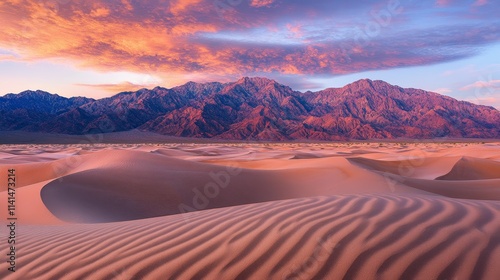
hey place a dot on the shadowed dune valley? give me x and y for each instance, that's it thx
(416, 210)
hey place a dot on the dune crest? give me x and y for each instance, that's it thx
(469, 168)
(261, 211)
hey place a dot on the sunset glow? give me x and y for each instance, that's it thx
(98, 48)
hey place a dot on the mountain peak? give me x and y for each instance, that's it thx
(157, 88)
(369, 83)
(363, 81)
(36, 93)
(254, 107)
(259, 81)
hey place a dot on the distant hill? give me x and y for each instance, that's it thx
(256, 109)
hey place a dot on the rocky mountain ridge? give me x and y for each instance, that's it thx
(257, 109)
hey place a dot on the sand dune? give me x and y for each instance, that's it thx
(423, 168)
(244, 211)
(351, 237)
(473, 169)
(128, 185)
(469, 177)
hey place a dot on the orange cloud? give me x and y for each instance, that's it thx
(100, 12)
(127, 5)
(261, 3)
(181, 5)
(88, 33)
(170, 38)
(114, 88)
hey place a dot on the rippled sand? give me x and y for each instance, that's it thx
(255, 211)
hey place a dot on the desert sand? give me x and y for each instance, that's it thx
(255, 211)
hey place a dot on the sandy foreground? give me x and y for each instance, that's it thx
(254, 211)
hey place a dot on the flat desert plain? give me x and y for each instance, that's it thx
(254, 211)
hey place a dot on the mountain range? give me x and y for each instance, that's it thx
(256, 109)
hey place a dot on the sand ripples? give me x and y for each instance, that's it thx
(338, 237)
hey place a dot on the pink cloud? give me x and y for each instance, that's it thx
(261, 3)
(480, 3)
(182, 5)
(491, 100)
(443, 3)
(443, 90)
(120, 87)
(492, 84)
(295, 30)
(171, 37)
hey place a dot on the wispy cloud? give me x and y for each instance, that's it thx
(115, 88)
(443, 90)
(492, 100)
(261, 3)
(480, 2)
(492, 84)
(443, 3)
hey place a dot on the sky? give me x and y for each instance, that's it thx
(97, 48)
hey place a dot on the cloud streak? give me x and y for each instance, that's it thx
(492, 84)
(119, 87)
